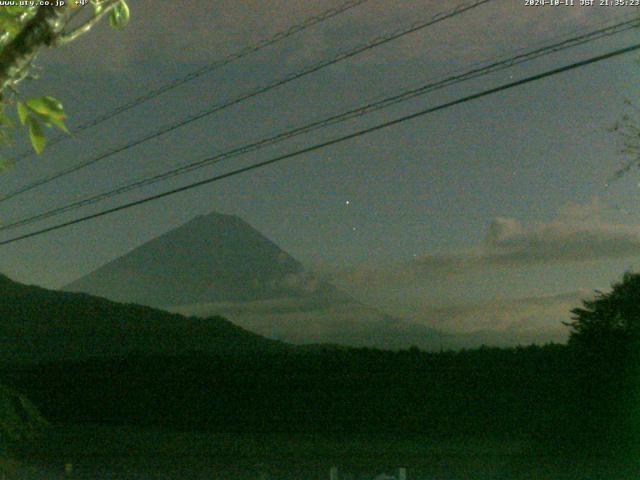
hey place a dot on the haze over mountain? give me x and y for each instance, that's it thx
(219, 264)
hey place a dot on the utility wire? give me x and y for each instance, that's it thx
(246, 51)
(328, 143)
(351, 114)
(216, 108)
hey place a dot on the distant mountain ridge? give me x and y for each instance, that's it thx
(212, 258)
(37, 324)
(218, 264)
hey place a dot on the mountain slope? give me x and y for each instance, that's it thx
(212, 258)
(38, 324)
(220, 265)
(348, 324)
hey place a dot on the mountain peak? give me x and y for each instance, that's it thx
(215, 216)
(212, 258)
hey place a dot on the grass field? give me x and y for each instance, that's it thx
(123, 452)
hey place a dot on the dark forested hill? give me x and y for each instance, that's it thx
(40, 325)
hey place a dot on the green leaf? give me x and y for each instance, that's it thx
(15, 11)
(47, 107)
(36, 134)
(23, 113)
(119, 16)
(59, 123)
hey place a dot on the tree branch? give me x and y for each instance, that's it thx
(41, 31)
(85, 27)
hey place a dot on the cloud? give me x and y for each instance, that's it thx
(295, 321)
(496, 322)
(304, 283)
(198, 31)
(591, 211)
(513, 316)
(485, 295)
(577, 234)
(578, 248)
(257, 307)
(509, 243)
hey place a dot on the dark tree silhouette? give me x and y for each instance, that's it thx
(605, 336)
(610, 319)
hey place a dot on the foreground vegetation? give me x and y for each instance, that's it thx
(257, 399)
(545, 394)
(488, 413)
(154, 453)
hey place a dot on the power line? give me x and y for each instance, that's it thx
(243, 52)
(216, 108)
(328, 143)
(351, 114)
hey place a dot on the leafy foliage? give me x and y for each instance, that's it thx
(110, 363)
(12, 20)
(119, 16)
(35, 113)
(605, 334)
(46, 111)
(611, 318)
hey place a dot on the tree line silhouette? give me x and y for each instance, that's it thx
(582, 396)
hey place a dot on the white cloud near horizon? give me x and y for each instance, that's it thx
(520, 278)
(525, 315)
(577, 234)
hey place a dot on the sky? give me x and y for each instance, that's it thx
(496, 213)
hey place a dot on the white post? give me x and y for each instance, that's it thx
(402, 473)
(333, 473)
